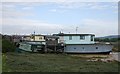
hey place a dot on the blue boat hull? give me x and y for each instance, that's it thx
(90, 49)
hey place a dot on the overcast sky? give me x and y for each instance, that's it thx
(99, 18)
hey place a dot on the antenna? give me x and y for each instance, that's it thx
(34, 35)
(34, 32)
(76, 29)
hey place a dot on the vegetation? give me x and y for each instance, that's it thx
(107, 39)
(116, 46)
(35, 62)
(7, 46)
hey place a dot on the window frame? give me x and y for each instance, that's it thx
(40, 38)
(70, 37)
(91, 39)
(82, 37)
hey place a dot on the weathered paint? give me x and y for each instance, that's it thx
(38, 42)
(31, 46)
(92, 48)
(25, 47)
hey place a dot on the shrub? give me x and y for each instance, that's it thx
(7, 46)
(116, 46)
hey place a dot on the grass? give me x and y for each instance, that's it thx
(35, 62)
(0, 63)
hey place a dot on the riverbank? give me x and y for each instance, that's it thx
(35, 62)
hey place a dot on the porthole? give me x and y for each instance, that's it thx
(96, 47)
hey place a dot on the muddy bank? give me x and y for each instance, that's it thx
(113, 56)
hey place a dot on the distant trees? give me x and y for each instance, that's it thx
(107, 39)
(114, 41)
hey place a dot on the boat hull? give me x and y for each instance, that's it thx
(89, 49)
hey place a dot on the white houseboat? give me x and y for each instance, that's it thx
(82, 43)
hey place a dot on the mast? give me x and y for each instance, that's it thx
(34, 35)
(76, 29)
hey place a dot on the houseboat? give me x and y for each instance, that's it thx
(82, 43)
(33, 43)
(67, 43)
(31, 47)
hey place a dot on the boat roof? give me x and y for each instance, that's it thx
(62, 34)
(31, 43)
(50, 36)
(38, 35)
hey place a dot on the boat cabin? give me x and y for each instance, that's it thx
(76, 38)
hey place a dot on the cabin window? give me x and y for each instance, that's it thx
(44, 37)
(82, 37)
(40, 37)
(70, 37)
(74, 48)
(32, 37)
(92, 38)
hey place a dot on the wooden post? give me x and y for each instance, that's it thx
(63, 48)
(55, 48)
(45, 50)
